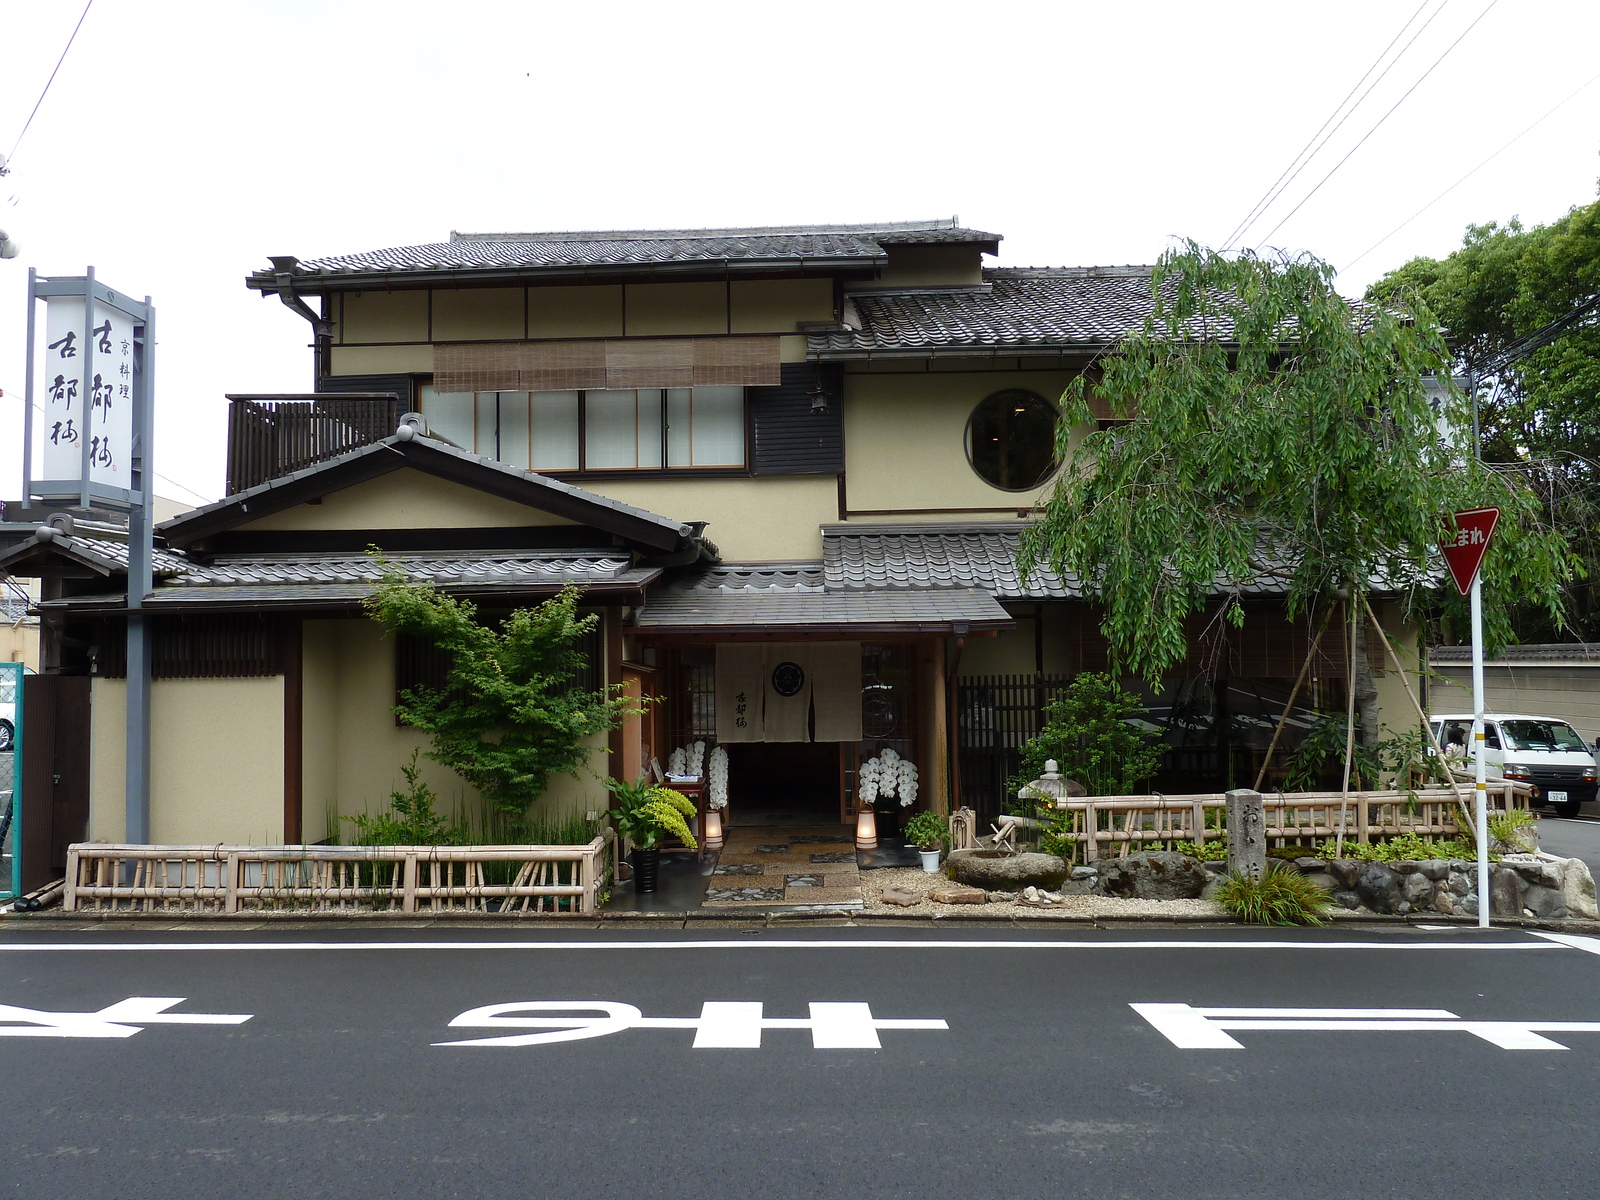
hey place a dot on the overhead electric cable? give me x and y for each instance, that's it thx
(1284, 179)
(47, 84)
(1380, 122)
(1572, 96)
(185, 487)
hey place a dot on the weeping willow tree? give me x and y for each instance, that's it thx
(1272, 431)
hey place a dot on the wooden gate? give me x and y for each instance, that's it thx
(55, 774)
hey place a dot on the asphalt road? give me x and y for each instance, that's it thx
(1045, 1082)
(1572, 839)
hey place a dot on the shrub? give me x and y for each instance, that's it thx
(1509, 831)
(1407, 847)
(1282, 896)
(645, 812)
(927, 830)
(1089, 732)
(1212, 850)
(412, 819)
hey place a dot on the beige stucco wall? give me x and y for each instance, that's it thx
(779, 305)
(407, 499)
(19, 642)
(381, 360)
(319, 726)
(905, 439)
(653, 309)
(383, 317)
(771, 519)
(585, 310)
(1570, 693)
(216, 760)
(474, 314)
(1395, 709)
(920, 266)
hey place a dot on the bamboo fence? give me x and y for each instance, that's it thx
(1109, 826)
(299, 879)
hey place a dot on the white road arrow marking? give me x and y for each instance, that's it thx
(1191, 1028)
(122, 1019)
(721, 1025)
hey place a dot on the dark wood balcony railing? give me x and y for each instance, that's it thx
(273, 435)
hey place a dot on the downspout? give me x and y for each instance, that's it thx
(283, 271)
(952, 729)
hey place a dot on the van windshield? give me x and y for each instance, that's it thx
(1541, 735)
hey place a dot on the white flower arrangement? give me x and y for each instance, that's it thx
(890, 776)
(718, 793)
(675, 763)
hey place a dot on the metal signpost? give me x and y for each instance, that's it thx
(1464, 548)
(94, 391)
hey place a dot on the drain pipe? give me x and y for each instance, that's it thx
(284, 267)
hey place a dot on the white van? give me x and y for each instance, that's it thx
(1543, 751)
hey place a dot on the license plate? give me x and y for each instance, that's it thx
(1556, 797)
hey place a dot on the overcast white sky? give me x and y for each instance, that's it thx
(182, 143)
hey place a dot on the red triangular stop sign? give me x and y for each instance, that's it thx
(1464, 545)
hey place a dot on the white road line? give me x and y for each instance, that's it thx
(1554, 942)
(1576, 940)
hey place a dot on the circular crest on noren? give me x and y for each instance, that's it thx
(788, 678)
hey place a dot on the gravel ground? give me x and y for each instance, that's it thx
(915, 879)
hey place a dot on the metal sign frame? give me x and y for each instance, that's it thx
(83, 491)
(11, 797)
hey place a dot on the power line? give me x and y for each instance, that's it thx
(47, 84)
(1273, 192)
(1380, 122)
(184, 487)
(1467, 176)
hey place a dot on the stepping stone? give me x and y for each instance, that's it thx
(837, 856)
(739, 869)
(904, 897)
(814, 840)
(773, 848)
(743, 893)
(803, 880)
(958, 894)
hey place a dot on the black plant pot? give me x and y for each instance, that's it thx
(646, 865)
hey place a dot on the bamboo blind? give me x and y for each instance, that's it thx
(617, 364)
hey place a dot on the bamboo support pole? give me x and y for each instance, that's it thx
(1349, 728)
(1294, 694)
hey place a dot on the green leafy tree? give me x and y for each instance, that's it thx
(1271, 430)
(1091, 734)
(1541, 412)
(509, 715)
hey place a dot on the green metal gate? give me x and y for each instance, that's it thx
(10, 778)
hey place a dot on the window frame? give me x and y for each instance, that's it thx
(584, 471)
(968, 444)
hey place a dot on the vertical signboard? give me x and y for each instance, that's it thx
(88, 394)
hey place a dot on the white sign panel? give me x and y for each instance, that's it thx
(86, 394)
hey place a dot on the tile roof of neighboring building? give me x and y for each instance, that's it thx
(1020, 309)
(803, 609)
(557, 252)
(1533, 654)
(306, 579)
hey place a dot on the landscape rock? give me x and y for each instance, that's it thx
(1347, 900)
(904, 897)
(1416, 890)
(1434, 868)
(953, 893)
(1079, 874)
(1505, 892)
(1324, 880)
(1543, 903)
(1379, 888)
(1577, 889)
(1153, 875)
(1346, 871)
(997, 871)
(1311, 866)
(1442, 902)
(1467, 907)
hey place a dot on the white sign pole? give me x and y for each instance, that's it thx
(1481, 810)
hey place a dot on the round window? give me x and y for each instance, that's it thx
(1011, 440)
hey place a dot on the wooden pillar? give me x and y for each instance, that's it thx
(936, 726)
(293, 649)
(611, 628)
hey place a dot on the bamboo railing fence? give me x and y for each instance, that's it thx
(301, 879)
(1110, 826)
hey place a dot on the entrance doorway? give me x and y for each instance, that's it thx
(784, 783)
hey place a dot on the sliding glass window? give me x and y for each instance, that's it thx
(648, 429)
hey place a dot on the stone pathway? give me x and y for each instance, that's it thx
(761, 866)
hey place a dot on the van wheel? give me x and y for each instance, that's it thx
(1567, 808)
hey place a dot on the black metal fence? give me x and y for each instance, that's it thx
(270, 438)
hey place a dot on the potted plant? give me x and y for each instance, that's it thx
(927, 830)
(644, 813)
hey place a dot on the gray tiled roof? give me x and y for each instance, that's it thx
(104, 553)
(935, 556)
(263, 579)
(601, 248)
(751, 577)
(531, 480)
(799, 609)
(1015, 308)
(1542, 653)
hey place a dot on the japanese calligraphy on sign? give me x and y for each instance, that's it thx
(86, 384)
